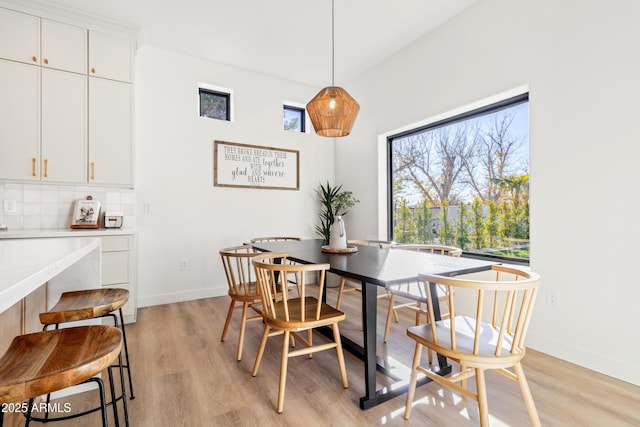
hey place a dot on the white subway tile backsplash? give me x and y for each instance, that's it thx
(32, 209)
(14, 222)
(50, 209)
(47, 206)
(14, 194)
(50, 196)
(33, 222)
(50, 222)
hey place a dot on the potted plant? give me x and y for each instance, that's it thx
(334, 201)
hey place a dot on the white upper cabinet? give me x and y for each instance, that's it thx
(20, 123)
(64, 127)
(64, 47)
(110, 56)
(66, 101)
(19, 37)
(110, 139)
(27, 38)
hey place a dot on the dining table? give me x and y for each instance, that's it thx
(376, 267)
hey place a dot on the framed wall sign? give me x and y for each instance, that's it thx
(253, 166)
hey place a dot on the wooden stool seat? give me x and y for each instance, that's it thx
(44, 362)
(86, 304)
(91, 304)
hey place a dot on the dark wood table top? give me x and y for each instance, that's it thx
(374, 265)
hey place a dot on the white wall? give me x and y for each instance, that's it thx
(190, 218)
(580, 61)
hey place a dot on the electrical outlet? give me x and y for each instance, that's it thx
(146, 207)
(184, 264)
(553, 297)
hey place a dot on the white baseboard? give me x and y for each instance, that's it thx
(188, 295)
(602, 363)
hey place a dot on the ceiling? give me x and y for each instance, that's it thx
(285, 38)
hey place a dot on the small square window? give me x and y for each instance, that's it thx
(215, 105)
(294, 118)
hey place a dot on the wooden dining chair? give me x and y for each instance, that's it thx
(354, 285)
(290, 316)
(413, 291)
(485, 331)
(242, 288)
(293, 277)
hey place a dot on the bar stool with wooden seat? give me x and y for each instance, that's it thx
(92, 304)
(44, 362)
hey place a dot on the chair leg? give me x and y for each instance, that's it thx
(310, 340)
(412, 382)
(526, 394)
(127, 365)
(263, 344)
(243, 324)
(387, 326)
(483, 405)
(124, 391)
(340, 291)
(340, 354)
(28, 413)
(226, 322)
(113, 397)
(284, 362)
(395, 312)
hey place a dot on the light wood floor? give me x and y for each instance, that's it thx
(184, 376)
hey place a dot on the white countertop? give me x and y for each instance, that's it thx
(64, 232)
(26, 264)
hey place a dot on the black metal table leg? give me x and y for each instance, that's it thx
(369, 314)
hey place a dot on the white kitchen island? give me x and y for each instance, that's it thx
(33, 274)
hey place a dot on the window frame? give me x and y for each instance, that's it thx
(473, 113)
(303, 116)
(225, 93)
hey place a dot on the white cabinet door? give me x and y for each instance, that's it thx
(110, 142)
(64, 127)
(20, 121)
(64, 47)
(19, 36)
(119, 269)
(110, 56)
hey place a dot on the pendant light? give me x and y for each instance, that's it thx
(333, 111)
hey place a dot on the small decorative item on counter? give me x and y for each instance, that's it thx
(86, 214)
(113, 219)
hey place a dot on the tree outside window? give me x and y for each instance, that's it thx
(214, 105)
(465, 182)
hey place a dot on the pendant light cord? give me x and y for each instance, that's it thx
(333, 45)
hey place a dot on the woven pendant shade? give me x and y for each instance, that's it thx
(332, 112)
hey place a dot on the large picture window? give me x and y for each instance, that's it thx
(464, 182)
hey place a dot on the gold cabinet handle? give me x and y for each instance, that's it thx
(33, 166)
(46, 168)
(93, 170)
(46, 61)
(34, 58)
(93, 70)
